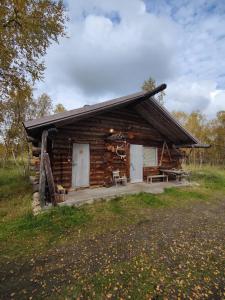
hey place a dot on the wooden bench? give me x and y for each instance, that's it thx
(149, 178)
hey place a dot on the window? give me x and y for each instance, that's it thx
(150, 157)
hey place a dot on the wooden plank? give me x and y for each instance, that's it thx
(50, 180)
(42, 180)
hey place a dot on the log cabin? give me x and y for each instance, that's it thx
(82, 147)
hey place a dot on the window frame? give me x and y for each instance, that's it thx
(156, 157)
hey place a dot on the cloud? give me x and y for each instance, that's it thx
(189, 96)
(192, 96)
(114, 45)
(107, 57)
(217, 98)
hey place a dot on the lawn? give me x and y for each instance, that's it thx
(143, 246)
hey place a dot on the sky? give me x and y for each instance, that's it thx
(112, 46)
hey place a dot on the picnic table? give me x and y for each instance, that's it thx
(179, 174)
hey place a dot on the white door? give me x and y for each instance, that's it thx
(136, 163)
(81, 165)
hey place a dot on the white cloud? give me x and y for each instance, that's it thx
(217, 102)
(190, 96)
(113, 46)
(103, 57)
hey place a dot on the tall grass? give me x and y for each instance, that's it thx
(211, 177)
(15, 194)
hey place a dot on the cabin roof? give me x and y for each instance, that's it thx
(144, 104)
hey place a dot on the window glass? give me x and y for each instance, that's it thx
(150, 157)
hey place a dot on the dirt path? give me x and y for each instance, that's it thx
(181, 240)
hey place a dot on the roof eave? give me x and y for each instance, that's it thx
(167, 113)
(198, 145)
(45, 122)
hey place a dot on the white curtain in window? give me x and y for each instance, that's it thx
(150, 157)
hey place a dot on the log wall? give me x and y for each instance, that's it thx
(95, 131)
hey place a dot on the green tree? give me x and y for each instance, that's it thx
(27, 28)
(208, 132)
(15, 110)
(59, 108)
(43, 106)
(217, 127)
(150, 85)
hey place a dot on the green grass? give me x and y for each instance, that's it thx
(15, 194)
(56, 221)
(17, 222)
(211, 178)
(115, 206)
(184, 194)
(23, 235)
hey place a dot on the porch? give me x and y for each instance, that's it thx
(91, 195)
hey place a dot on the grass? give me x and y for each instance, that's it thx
(17, 221)
(23, 235)
(15, 194)
(57, 221)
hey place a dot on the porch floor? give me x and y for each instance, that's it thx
(90, 195)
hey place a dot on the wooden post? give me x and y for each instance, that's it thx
(168, 151)
(50, 180)
(42, 179)
(162, 153)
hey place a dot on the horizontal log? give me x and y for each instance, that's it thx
(36, 154)
(92, 143)
(97, 183)
(35, 161)
(97, 174)
(34, 168)
(94, 131)
(62, 172)
(33, 179)
(36, 149)
(104, 124)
